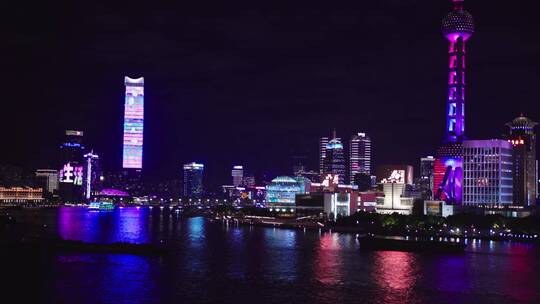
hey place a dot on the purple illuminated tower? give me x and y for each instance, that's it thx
(133, 123)
(457, 27)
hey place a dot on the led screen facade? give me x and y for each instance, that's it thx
(133, 123)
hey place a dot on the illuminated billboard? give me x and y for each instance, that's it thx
(397, 176)
(133, 123)
(71, 174)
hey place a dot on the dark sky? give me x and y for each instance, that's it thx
(254, 83)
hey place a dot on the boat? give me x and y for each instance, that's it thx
(102, 206)
(399, 244)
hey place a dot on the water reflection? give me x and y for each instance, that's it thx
(395, 273)
(214, 263)
(120, 225)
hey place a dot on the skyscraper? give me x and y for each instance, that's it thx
(427, 174)
(457, 27)
(323, 142)
(193, 180)
(70, 175)
(72, 148)
(334, 161)
(487, 172)
(92, 174)
(525, 168)
(237, 174)
(133, 123)
(359, 155)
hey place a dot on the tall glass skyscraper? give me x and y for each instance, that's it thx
(359, 155)
(133, 123)
(525, 170)
(427, 174)
(193, 180)
(334, 161)
(323, 142)
(237, 174)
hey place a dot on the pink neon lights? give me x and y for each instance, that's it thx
(133, 123)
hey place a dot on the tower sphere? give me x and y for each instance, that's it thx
(458, 23)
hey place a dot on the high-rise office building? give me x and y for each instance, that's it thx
(72, 148)
(92, 174)
(70, 176)
(323, 142)
(487, 172)
(334, 161)
(525, 168)
(359, 156)
(47, 179)
(457, 27)
(193, 180)
(237, 174)
(133, 123)
(427, 174)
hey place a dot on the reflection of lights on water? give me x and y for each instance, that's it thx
(395, 270)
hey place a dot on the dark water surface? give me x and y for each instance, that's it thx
(216, 263)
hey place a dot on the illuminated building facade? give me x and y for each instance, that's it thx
(133, 123)
(47, 179)
(406, 173)
(91, 174)
(193, 180)
(323, 142)
(525, 166)
(359, 156)
(487, 172)
(457, 27)
(20, 195)
(70, 175)
(426, 174)
(281, 192)
(334, 161)
(237, 175)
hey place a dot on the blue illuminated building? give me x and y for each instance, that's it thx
(193, 180)
(281, 192)
(334, 161)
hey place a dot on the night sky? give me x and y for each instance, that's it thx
(251, 83)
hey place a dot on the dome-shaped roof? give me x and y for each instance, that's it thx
(458, 23)
(522, 122)
(334, 144)
(283, 179)
(113, 192)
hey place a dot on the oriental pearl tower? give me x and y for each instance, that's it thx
(457, 27)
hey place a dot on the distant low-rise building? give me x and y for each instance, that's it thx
(20, 195)
(281, 192)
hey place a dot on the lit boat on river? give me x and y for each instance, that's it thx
(102, 206)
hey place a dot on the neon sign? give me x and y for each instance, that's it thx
(397, 176)
(71, 175)
(516, 142)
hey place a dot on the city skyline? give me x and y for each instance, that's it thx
(179, 98)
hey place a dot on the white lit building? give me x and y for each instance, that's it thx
(487, 172)
(359, 155)
(48, 179)
(237, 174)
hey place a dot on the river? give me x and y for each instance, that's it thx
(217, 263)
